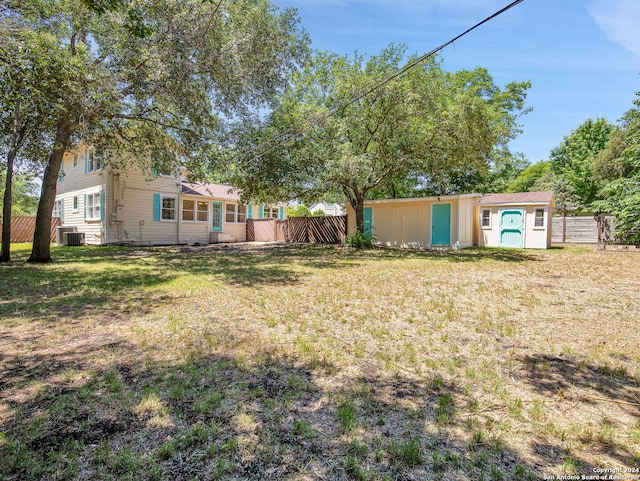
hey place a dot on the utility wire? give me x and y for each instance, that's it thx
(289, 136)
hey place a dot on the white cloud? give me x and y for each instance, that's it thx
(619, 20)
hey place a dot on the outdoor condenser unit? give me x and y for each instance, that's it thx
(73, 238)
(60, 231)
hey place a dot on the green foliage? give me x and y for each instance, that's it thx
(537, 177)
(359, 240)
(622, 201)
(25, 194)
(299, 211)
(572, 163)
(611, 163)
(434, 127)
(619, 163)
(504, 171)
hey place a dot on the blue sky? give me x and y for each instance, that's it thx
(582, 57)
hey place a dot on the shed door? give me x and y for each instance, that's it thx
(511, 228)
(441, 224)
(367, 214)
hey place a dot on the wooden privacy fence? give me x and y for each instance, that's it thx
(23, 227)
(314, 230)
(575, 229)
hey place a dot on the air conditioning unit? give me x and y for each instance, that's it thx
(73, 238)
(60, 231)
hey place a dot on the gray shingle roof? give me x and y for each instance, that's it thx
(518, 198)
(217, 191)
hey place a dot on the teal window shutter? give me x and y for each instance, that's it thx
(261, 212)
(281, 213)
(156, 207)
(249, 211)
(86, 168)
(61, 172)
(102, 205)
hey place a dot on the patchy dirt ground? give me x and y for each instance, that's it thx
(311, 362)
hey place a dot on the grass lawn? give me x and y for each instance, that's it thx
(312, 362)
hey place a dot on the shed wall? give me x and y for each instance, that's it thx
(408, 224)
(534, 237)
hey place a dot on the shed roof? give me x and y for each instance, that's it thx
(218, 191)
(422, 199)
(518, 198)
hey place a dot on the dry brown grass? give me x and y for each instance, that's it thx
(308, 362)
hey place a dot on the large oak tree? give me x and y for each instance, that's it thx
(350, 124)
(163, 75)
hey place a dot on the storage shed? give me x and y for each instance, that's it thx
(520, 219)
(424, 222)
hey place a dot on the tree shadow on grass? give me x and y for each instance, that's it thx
(584, 385)
(82, 279)
(223, 417)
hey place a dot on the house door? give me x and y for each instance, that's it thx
(216, 218)
(511, 228)
(367, 214)
(441, 224)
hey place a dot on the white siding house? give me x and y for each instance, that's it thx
(327, 208)
(126, 206)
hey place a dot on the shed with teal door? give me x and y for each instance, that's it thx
(421, 223)
(517, 220)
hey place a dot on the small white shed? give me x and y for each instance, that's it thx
(521, 220)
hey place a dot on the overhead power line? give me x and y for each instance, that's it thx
(289, 136)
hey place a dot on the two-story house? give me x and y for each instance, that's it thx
(111, 205)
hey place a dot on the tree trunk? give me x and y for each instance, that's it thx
(41, 250)
(359, 208)
(17, 137)
(5, 253)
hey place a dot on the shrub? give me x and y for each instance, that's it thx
(359, 240)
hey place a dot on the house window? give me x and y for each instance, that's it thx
(75, 160)
(168, 208)
(61, 172)
(486, 218)
(539, 218)
(93, 206)
(270, 213)
(57, 209)
(195, 211)
(90, 158)
(202, 214)
(75, 203)
(188, 210)
(235, 213)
